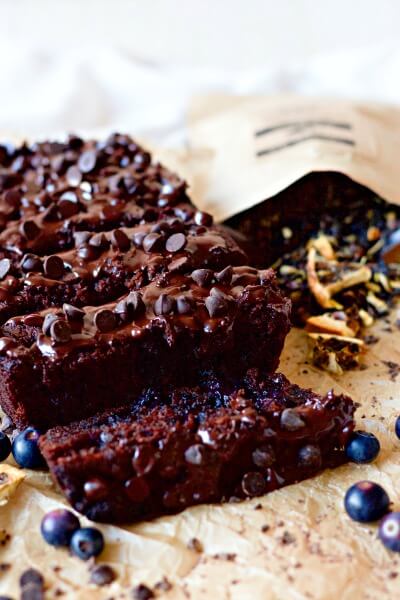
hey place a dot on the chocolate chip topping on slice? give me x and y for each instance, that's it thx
(99, 240)
(54, 267)
(48, 320)
(31, 262)
(68, 204)
(73, 176)
(120, 240)
(184, 305)
(224, 276)
(152, 242)
(60, 331)
(194, 454)
(263, 457)
(135, 303)
(105, 320)
(203, 219)
(291, 420)
(175, 242)
(138, 238)
(87, 161)
(29, 229)
(310, 456)
(72, 312)
(217, 303)
(5, 265)
(253, 484)
(164, 305)
(13, 198)
(203, 277)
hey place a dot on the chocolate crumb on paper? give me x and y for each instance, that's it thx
(393, 369)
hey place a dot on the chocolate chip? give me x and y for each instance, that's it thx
(203, 277)
(31, 262)
(87, 252)
(13, 198)
(291, 420)
(310, 456)
(138, 238)
(194, 454)
(5, 266)
(142, 160)
(120, 240)
(253, 484)
(225, 276)
(135, 303)
(217, 303)
(142, 592)
(33, 320)
(203, 219)
(29, 229)
(68, 204)
(72, 312)
(99, 240)
(175, 242)
(105, 320)
(102, 575)
(87, 161)
(121, 309)
(137, 489)
(143, 459)
(31, 577)
(152, 242)
(263, 457)
(95, 489)
(60, 331)
(184, 305)
(81, 237)
(54, 267)
(48, 320)
(73, 176)
(164, 305)
(51, 213)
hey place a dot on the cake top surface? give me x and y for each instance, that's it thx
(97, 242)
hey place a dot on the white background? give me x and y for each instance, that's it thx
(128, 64)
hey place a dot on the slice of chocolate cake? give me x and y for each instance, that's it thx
(202, 445)
(112, 283)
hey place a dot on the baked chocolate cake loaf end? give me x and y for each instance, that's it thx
(202, 446)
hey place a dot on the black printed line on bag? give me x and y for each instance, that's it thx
(323, 138)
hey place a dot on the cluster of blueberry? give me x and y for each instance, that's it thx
(367, 501)
(59, 527)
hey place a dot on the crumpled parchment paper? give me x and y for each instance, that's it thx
(291, 544)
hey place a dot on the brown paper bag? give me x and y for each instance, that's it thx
(258, 146)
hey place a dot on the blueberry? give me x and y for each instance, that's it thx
(26, 451)
(87, 542)
(58, 526)
(366, 501)
(397, 427)
(5, 446)
(389, 531)
(363, 447)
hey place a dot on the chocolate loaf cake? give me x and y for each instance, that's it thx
(200, 445)
(112, 283)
